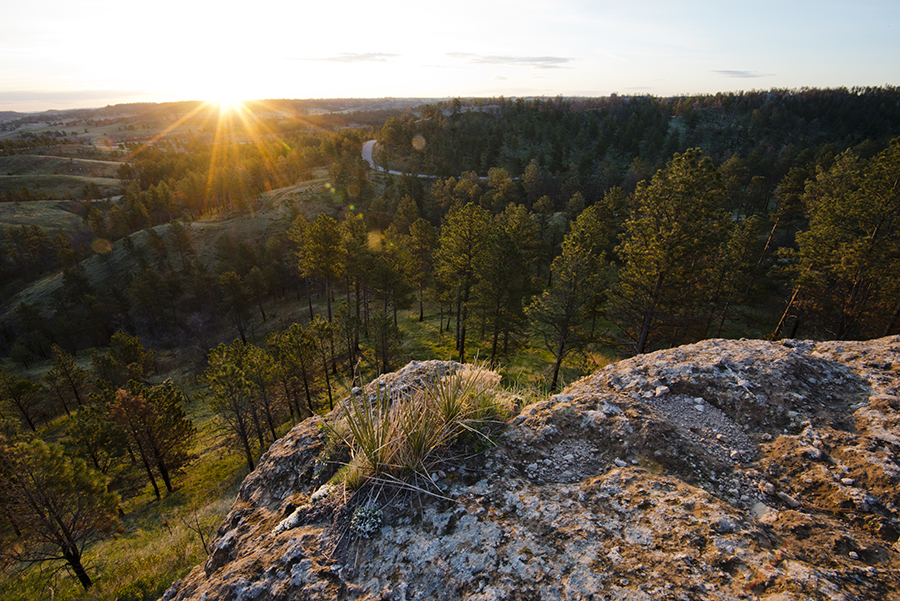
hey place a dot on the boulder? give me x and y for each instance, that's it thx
(726, 469)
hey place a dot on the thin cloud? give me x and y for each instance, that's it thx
(355, 57)
(740, 74)
(34, 100)
(537, 62)
(65, 95)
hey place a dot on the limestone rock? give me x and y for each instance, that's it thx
(783, 487)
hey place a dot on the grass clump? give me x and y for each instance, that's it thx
(398, 437)
(372, 430)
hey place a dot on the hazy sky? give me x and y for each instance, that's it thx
(87, 53)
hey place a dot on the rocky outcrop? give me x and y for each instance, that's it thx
(720, 470)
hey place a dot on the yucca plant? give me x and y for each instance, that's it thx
(463, 396)
(422, 432)
(394, 439)
(450, 396)
(373, 434)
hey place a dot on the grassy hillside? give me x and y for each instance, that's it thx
(158, 542)
(49, 214)
(30, 164)
(274, 216)
(55, 177)
(56, 186)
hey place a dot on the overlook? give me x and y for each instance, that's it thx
(198, 303)
(719, 470)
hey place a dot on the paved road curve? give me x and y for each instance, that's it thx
(367, 150)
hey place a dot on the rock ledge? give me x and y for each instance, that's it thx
(720, 470)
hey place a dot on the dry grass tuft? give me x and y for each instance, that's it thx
(397, 439)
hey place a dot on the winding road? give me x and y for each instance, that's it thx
(367, 150)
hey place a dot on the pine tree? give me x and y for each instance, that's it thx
(229, 394)
(236, 298)
(463, 235)
(154, 420)
(94, 437)
(65, 378)
(180, 237)
(560, 313)
(676, 227)
(849, 257)
(323, 255)
(22, 396)
(422, 243)
(59, 505)
(503, 279)
(127, 359)
(322, 332)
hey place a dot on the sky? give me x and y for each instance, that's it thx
(59, 54)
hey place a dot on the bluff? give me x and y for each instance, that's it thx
(720, 470)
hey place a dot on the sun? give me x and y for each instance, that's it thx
(229, 104)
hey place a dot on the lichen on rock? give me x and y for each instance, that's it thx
(720, 470)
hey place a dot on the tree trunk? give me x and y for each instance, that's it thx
(270, 420)
(421, 304)
(164, 472)
(787, 311)
(327, 380)
(65, 406)
(496, 338)
(648, 316)
(328, 298)
(73, 558)
(893, 320)
(260, 431)
(146, 463)
(555, 379)
(306, 389)
(795, 328)
(248, 453)
(27, 417)
(464, 311)
(261, 310)
(331, 345)
(238, 322)
(12, 521)
(458, 317)
(77, 395)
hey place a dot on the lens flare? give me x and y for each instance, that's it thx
(101, 246)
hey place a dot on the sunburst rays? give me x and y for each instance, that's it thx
(233, 124)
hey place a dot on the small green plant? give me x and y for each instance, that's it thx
(352, 475)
